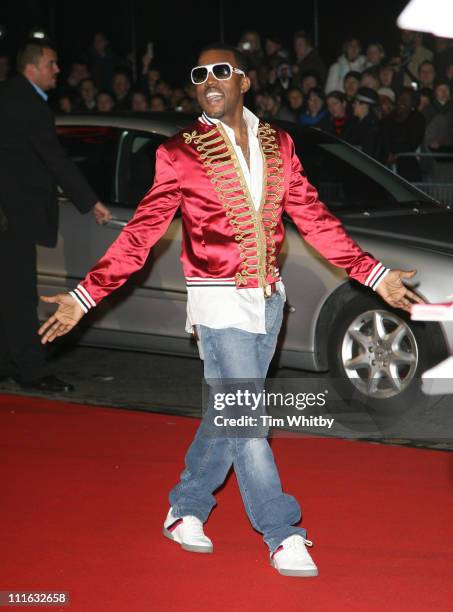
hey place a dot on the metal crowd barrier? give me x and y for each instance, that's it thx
(441, 191)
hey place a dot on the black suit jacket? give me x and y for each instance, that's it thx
(32, 164)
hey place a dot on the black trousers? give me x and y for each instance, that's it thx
(21, 353)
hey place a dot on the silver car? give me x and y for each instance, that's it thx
(331, 323)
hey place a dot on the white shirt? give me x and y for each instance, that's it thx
(220, 307)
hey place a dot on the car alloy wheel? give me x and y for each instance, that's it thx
(379, 354)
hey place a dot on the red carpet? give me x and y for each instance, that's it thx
(84, 493)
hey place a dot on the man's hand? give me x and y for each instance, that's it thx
(102, 213)
(397, 295)
(65, 318)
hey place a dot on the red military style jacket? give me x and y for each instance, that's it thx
(226, 241)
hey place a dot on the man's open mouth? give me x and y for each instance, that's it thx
(214, 96)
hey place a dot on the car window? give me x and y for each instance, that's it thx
(136, 167)
(94, 150)
(340, 185)
(348, 180)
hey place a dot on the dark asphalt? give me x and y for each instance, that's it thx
(173, 385)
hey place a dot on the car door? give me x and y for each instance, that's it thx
(148, 312)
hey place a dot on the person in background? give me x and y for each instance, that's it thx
(139, 102)
(104, 102)
(32, 166)
(442, 97)
(295, 100)
(102, 61)
(406, 128)
(338, 119)
(389, 76)
(270, 106)
(275, 53)
(364, 131)
(250, 45)
(316, 111)
(350, 60)
(375, 55)
(426, 75)
(281, 79)
(370, 78)
(387, 99)
(412, 54)
(425, 104)
(87, 96)
(121, 86)
(65, 104)
(351, 85)
(307, 59)
(150, 79)
(158, 103)
(308, 80)
(438, 136)
(78, 71)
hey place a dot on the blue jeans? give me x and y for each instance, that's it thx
(236, 354)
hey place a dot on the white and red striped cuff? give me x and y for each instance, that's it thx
(81, 295)
(376, 275)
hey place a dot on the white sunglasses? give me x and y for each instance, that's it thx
(222, 72)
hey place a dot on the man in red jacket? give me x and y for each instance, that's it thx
(232, 177)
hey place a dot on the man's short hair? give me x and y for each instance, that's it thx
(338, 95)
(31, 52)
(426, 63)
(355, 74)
(372, 71)
(440, 82)
(303, 34)
(241, 61)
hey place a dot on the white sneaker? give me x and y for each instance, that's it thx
(187, 531)
(292, 558)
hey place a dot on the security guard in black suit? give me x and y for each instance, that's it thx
(32, 164)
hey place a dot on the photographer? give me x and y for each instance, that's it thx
(412, 54)
(251, 47)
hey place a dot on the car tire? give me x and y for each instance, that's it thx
(376, 356)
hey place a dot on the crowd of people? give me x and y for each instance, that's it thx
(390, 105)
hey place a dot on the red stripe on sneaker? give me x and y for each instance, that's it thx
(174, 525)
